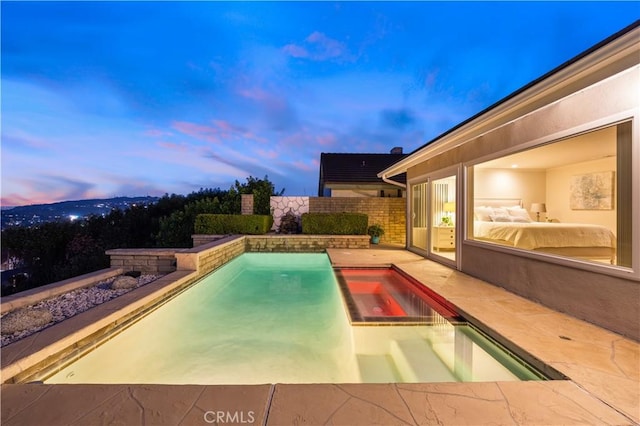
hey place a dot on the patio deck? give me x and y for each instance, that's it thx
(603, 370)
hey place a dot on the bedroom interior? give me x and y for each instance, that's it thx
(572, 181)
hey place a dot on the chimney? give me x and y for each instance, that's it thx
(396, 150)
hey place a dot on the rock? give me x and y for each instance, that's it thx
(124, 282)
(24, 319)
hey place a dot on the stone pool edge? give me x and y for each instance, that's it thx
(283, 401)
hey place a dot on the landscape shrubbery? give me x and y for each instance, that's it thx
(59, 250)
(334, 223)
(218, 224)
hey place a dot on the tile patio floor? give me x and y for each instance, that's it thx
(603, 370)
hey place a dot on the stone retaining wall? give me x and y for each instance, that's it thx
(292, 243)
(304, 243)
(200, 239)
(38, 294)
(207, 257)
(147, 261)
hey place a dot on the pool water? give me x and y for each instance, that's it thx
(280, 318)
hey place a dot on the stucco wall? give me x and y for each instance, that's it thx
(610, 301)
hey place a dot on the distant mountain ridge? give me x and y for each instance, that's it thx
(63, 210)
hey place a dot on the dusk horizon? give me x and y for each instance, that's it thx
(128, 99)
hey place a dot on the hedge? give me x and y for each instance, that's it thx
(251, 224)
(334, 223)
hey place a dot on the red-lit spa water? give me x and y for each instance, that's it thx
(386, 294)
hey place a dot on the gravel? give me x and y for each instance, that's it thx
(66, 306)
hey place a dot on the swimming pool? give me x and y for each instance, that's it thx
(280, 318)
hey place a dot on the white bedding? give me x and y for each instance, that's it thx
(535, 235)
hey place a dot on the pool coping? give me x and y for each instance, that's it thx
(604, 397)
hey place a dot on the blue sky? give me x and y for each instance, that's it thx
(104, 99)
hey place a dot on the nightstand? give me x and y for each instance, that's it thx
(444, 237)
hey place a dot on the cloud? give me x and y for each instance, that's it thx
(326, 140)
(198, 131)
(318, 47)
(220, 131)
(155, 133)
(277, 111)
(398, 119)
(43, 189)
(180, 147)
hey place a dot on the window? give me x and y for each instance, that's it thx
(570, 198)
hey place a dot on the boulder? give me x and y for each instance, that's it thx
(25, 319)
(123, 282)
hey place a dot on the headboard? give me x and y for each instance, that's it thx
(497, 202)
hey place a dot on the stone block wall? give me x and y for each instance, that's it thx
(207, 257)
(304, 243)
(213, 259)
(147, 261)
(246, 203)
(200, 239)
(390, 213)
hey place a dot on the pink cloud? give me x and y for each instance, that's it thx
(221, 131)
(198, 131)
(300, 165)
(255, 94)
(318, 47)
(326, 140)
(173, 146)
(267, 154)
(156, 133)
(295, 51)
(37, 193)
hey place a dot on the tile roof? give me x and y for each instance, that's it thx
(356, 168)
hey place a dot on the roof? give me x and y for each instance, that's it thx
(527, 94)
(356, 168)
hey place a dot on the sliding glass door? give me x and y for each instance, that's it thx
(433, 226)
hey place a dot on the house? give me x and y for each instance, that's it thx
(540, 192)
(356, 175)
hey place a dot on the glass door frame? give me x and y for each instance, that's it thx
(428, 179)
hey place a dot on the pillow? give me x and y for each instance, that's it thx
(483, 213)
(501, 211)
(520, 213)
(496, 217)
(519, 219)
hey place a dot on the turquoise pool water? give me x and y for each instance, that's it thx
(280, 318)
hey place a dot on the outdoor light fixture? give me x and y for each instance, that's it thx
(538, 208)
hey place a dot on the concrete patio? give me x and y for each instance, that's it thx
(603, 371)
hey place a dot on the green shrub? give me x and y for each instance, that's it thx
(252, 224)
(334, 223)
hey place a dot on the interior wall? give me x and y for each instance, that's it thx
(529, 186)
(559, 191)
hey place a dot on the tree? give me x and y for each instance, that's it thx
(58, 250)
(262, 190)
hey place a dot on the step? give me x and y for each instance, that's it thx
(377, 369)
(417, 362)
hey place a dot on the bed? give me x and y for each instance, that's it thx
(504, 221)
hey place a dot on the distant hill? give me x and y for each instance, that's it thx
(67, 210)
